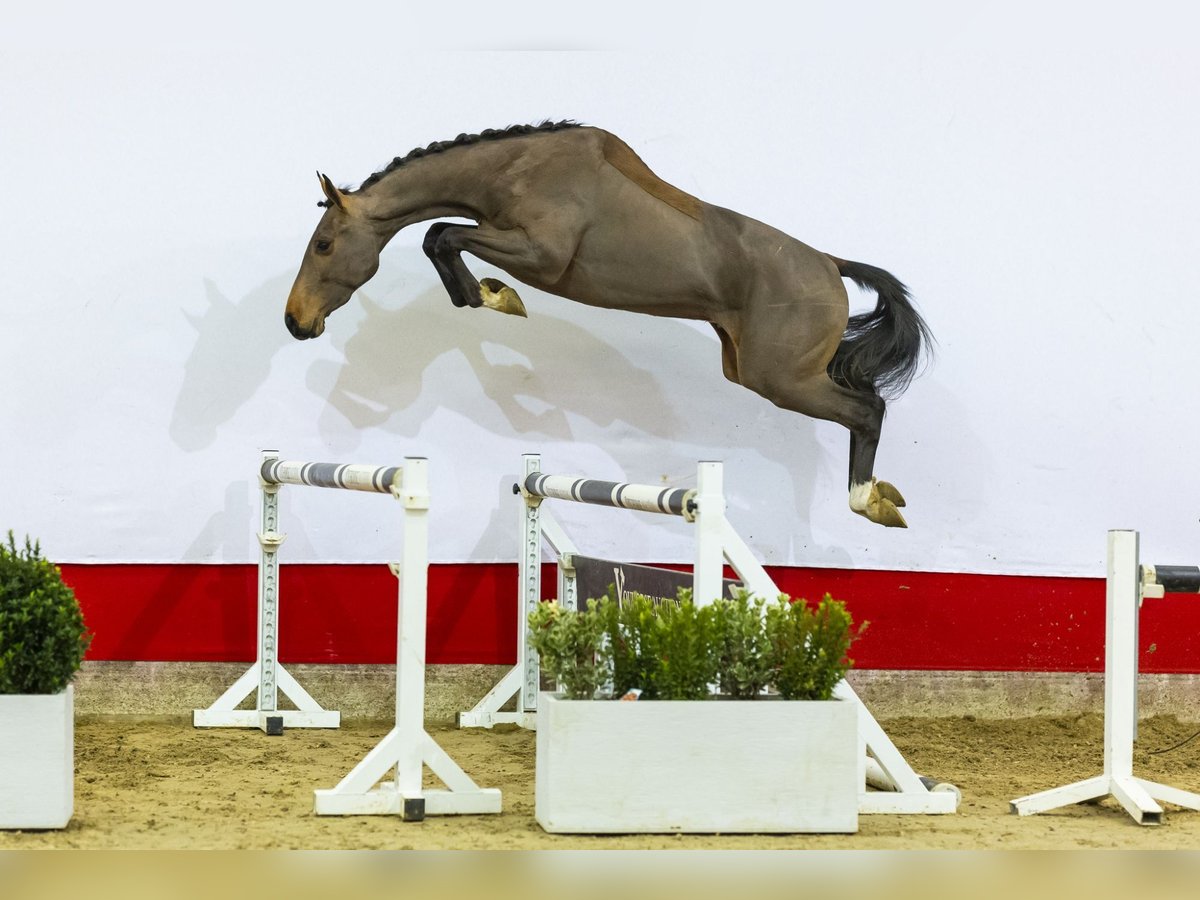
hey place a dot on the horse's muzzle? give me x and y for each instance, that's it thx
(294, 327)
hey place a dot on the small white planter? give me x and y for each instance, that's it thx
(706, 766)
(37, 760)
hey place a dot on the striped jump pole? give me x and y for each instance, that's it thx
(375, 479)
(669, 501)
(1127, 584)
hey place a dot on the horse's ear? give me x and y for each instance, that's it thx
(332, 194)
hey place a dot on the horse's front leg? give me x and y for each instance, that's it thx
(460, 284)
(444, 244)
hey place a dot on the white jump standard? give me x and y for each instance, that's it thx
(881, 764)
(1127, 584)
(408, 747)
(266, 674)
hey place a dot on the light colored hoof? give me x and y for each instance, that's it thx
(885, 513)
(499, 296)
(877, 501)
(888, 491)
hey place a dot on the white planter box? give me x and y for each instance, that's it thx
(37, 760)
(706, 766)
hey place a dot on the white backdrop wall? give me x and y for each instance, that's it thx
(1031, 175)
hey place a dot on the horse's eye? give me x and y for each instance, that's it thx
(322, 246)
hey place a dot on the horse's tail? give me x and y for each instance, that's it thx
(883, 349)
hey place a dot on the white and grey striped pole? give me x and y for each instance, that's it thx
(643, 497)
(350, 477)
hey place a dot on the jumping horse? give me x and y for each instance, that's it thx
(573, 211)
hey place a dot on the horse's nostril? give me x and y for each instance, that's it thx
(290, 321)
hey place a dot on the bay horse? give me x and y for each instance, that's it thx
(572, 210)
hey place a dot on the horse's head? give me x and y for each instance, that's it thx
(341, 257)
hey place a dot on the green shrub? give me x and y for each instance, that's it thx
(42, 634)
(687, 648)
(808, 647)
(571, 647)
(744, 663)
(631, 627)
(680, 651)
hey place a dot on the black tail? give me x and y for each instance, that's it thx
(883, 349)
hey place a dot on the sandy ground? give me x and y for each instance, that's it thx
(167, 785)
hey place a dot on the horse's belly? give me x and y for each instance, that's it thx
(650, 295)
(640, 276)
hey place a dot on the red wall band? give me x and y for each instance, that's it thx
(343, 613)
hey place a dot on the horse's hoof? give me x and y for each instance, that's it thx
(499, 296)
(876, 500)
(885, 513)
(888, 491)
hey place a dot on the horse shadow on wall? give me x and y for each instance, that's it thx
(636, 386)
(230, 361)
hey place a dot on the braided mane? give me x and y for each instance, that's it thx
(463, 140)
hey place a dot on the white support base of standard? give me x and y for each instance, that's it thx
(1137, 795)
(921, 803)
(486, 712)
(225, 714)
(385, 800)
(902, 791)
(487, 719)
(361, 793)
(262, 719)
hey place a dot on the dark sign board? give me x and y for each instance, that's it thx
(594, 577)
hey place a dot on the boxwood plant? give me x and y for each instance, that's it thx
(742, 647)
(42, 634)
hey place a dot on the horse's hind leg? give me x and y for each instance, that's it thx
(860, 412)
(886, 490)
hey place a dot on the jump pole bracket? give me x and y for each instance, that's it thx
(899, 789)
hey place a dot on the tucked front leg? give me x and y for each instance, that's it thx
(459, 282)
(444, 244)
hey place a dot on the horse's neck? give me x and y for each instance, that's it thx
(457, 182)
